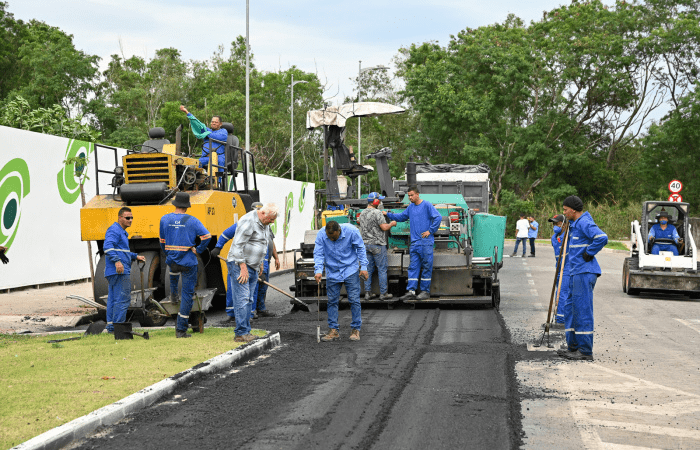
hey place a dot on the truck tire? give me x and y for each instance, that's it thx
(496, 296)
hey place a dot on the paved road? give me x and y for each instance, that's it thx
(450, 378)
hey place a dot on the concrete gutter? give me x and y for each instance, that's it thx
(81, 427)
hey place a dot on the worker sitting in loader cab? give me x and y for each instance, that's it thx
(203, 132)
(664, 230)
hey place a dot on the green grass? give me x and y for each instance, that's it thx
(616, 246)
(46, 385)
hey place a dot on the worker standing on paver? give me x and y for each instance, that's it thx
(118, 258)
(226, 236)
(532, 228)
(340, 250)
(373, 228)
(585, 241)
(563, 293)
(424, 222)
(244, 260)
(178, 232)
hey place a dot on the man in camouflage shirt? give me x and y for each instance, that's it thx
(372, 228)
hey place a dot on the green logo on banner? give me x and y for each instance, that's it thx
(288, 212)
(68, 186)
(302, 196)
(14, 186)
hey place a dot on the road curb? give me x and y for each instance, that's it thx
(281, 272)
(79, 428)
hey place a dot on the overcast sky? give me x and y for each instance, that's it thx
(328, 38)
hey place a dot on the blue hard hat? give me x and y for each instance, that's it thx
(374, 195)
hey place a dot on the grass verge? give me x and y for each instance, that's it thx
(617, 246)
(46, 385)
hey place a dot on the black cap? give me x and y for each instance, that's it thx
(556, 219)
(664, 213)
(574, 203)
(182, 200)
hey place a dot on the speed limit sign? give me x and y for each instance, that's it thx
(675, 186)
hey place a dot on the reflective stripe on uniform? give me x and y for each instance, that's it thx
(184, 317)
(599, 235)
(117, 250)
(413, 279)
(180, 248)
(579, 245)
(205, 236)
(425, 279)
(110, 323)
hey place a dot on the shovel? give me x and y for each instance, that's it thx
(295, 301)
(94, 328)
(122, 330)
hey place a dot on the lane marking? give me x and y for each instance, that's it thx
(531, 282)
(528, 274)
(693, 326)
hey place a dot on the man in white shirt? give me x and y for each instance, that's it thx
(521, 231)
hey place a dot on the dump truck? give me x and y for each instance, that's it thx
(146, 180)
(663, 272)
(468, 250)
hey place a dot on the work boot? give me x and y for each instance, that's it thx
(249, 337)
(531, 256)
(355, 335)
(409, 295)
(424, 295)
(240, 339)
(513, 255)
(331, 335)
(182, 334)
(565, 351)
(265, 313)
(577, 356)
(384, 297)
(255, 315)
(369, 295)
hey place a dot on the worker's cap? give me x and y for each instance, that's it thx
(256, 205)
(374, 195)
(182, 200)
(664, 213)
(574, 203)
(556, 219)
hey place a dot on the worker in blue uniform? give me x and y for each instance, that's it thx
(563, 292)
(664, 230)
(259, 309)
(178, 232)
(226, 236)
(424, 221)
(203, 132)
(585, 241)
(118, 259)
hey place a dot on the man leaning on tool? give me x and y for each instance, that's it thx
(118, 259)
(178, 232)
(424, 221)
(245, 259)
(585, 241)
(340, 249)
(372, 228)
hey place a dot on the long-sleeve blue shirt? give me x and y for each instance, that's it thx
(557, 242)
(116, 248)
(177, 237)
(342, 256)
(220, 135)
(530, 232)
(584, 236)
(422, 217)
(669, 233)
(226, 236)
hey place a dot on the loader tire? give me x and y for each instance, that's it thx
(630, 264)
(496, 296)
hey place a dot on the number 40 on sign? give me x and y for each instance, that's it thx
(675, 186)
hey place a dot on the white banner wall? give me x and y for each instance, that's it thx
(40, 199)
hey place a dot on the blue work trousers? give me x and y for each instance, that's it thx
(376, 257)
(664, 248)
(579, 324)
(261, 292)
(517, 242)
(242, 296)
(564, 306)
(189, 282)
(204, 162)
(230, 310)
(118, 298)
(421, 266)
(352, 286)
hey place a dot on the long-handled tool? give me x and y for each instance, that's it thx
(122, 330)
(298, 303)
(94, 328)
(318, 326)
(556, 286)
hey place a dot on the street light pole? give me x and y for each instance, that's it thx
(291, 139)
(360, 71)
(247, 83)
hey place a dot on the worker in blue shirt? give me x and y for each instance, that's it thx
(663, 230)
(226, 236)
(258, 308)
(178, 232)
(118, 259)
(585, 241)
(532, 234)
(563, 293)
(206, 133)
(424, 221)
(340, 249)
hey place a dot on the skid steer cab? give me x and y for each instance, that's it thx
(667, 263)
(146, 180)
